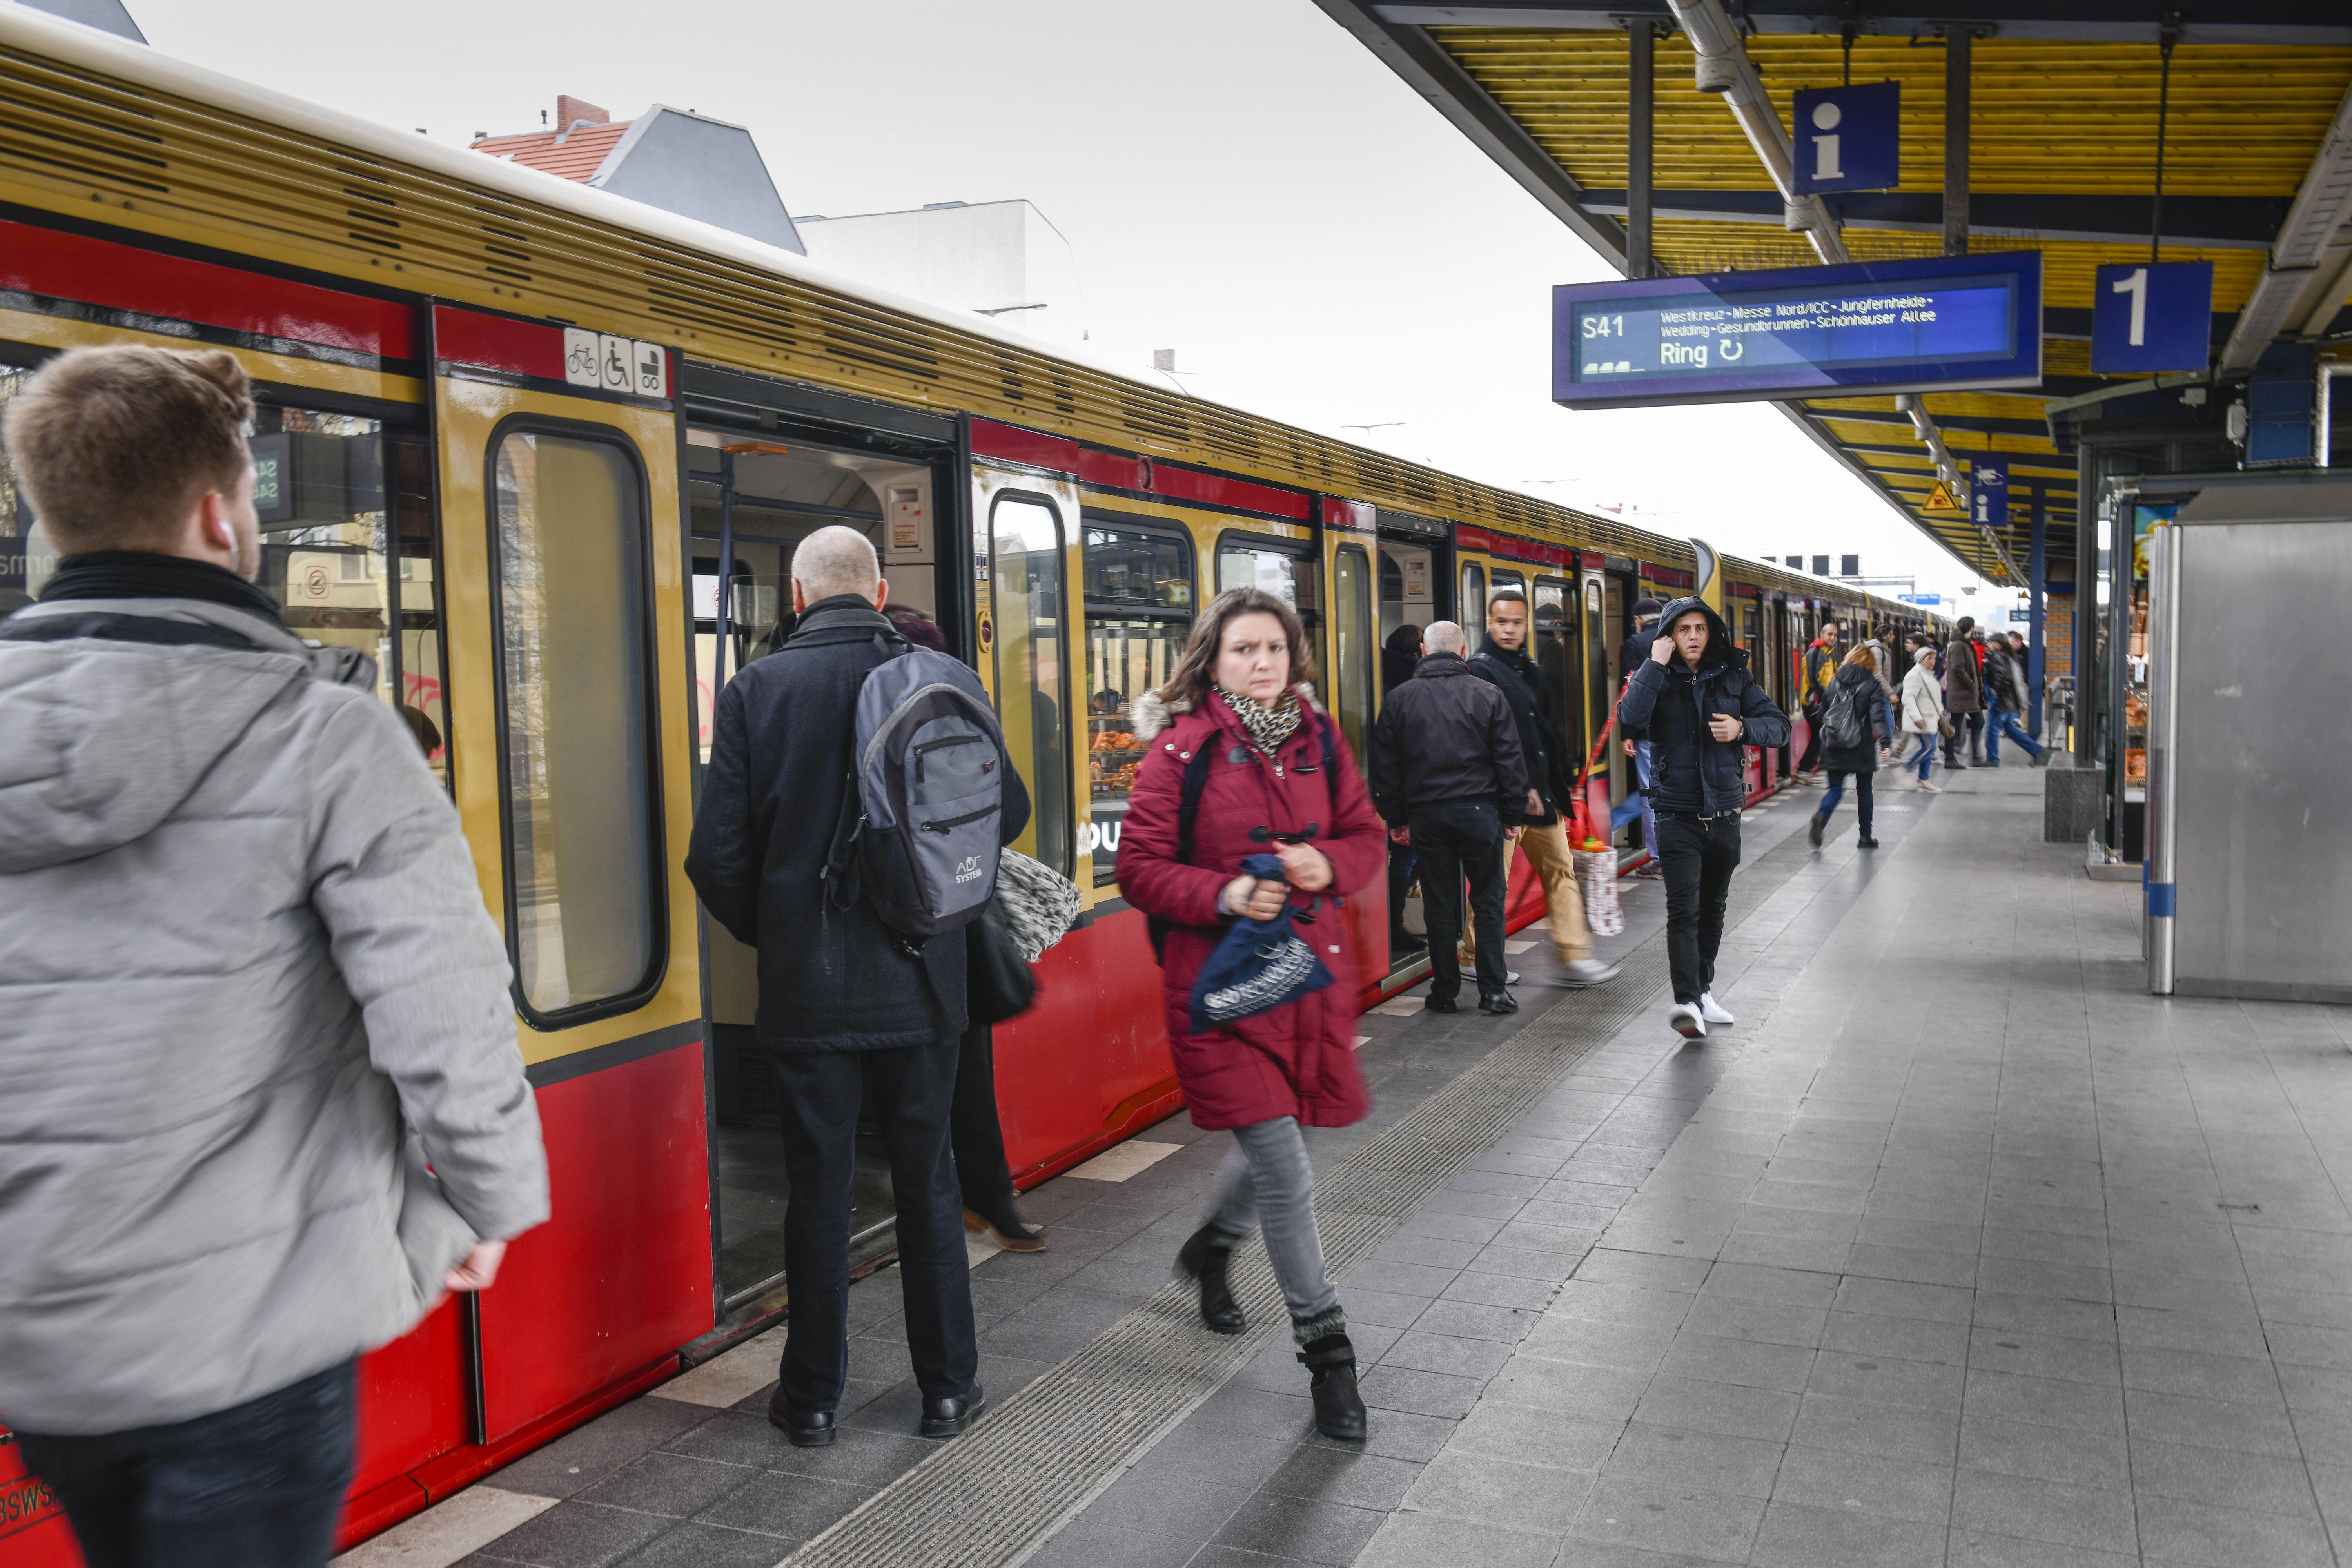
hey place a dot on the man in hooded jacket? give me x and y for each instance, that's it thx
(1698, 704)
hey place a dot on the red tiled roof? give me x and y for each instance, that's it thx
(575, 158)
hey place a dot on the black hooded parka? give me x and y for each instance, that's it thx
(1692, 773)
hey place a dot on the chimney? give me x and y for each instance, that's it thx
(570, 111)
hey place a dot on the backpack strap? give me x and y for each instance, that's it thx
(1188, 811)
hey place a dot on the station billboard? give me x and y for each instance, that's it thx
(1937, 323)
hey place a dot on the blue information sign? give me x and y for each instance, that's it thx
(1848, 138)
(2149, 318)
(1923, 600)
(1937, 322)
(1989, 495)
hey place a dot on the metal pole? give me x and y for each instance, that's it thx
(726, 574)
(2037, 565)
(1957, 48)
(2086, 576)
(2168, 35)
(1642, 54)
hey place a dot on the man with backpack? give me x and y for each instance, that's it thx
(856, 1002)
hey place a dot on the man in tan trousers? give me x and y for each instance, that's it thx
(1551, 773)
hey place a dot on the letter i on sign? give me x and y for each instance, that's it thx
(1826, 116)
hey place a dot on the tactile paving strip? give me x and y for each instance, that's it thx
(994, 1495)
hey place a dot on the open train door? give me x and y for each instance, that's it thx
(572, 725)
(1350, 687)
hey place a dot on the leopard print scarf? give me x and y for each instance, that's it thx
(1268, 727)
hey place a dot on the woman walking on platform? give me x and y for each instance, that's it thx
(1236, 728)
(1922, 714)
(1856, 729)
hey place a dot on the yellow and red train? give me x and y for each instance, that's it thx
(544, 452)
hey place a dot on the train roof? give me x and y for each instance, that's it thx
(181, 152)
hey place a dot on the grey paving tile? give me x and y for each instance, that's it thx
(2045, 1355)
(1591, 1391)
(1918, 1384)
(688, 1544)
(1527, 1434)
(1712, 1526)
(1500, 1492)
(1168, 1505)
(1419, 1393)
(1988, 1549)
(2206, 1376)
(1799, 1535)
(1752, 1362)
(1725, 1408)
(1590, 1342)
(1421, 1539)
(1710, 1461)
(1607, 1265)
(2051, 1453)
(2266, 1483)
(792, 1507)
(1479, 1359)
(2044, 1510)
(2172, 1529)
(576, 1533)
(2210, 1423)
(1301, 1529)
(1863, 1426)
(1865, 1483)
(1903, 1298)
(1615, 1301)
(671, 1484)
(1347, 1475)
(582, 1458)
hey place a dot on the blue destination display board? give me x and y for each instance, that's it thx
(1938, 323)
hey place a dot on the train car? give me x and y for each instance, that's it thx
(545, 453)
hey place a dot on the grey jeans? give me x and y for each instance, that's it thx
(1266, 1180)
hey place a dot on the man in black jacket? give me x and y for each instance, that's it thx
(1699, 705)
(1449, 778)
(847, 1010)
(1504, 664)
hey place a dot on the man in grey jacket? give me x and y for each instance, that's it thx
(261, 1100)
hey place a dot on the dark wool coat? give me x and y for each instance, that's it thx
(1550, 763)
(1299, 1059)
(1963, 680)
(830, 980)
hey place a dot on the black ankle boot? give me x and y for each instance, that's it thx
(1203, 1258)
(1339, 1408)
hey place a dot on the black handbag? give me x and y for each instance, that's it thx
(999, 984)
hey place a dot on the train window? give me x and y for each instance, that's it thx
(1474, 597)
(1242, 563)
(1033, 693)
(1355, 646)
(574, 626)
(1138, 614)
(1558, 653)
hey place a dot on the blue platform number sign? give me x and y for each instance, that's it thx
(2151, 317)
(1989, 495)
(1848, 138)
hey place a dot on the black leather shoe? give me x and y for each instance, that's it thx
(1499, 1003)
(1203, 1258)
(1813, 831)
(806, 1429)
(1865, 844)
(1339, 1408)
(946, 1418)
(1440, 1005)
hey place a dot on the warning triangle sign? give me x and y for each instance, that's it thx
(1940, 499)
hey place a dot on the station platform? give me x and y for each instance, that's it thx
(1956, 1249)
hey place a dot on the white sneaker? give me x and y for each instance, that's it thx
(1712, 1010)
(1586, 972)
(1927, 787)
(1686, 1021)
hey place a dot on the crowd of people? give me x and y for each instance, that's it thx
(336, 1130)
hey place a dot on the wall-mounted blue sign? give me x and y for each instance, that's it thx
(1989, 495)
(1922, 599)
(2149, 318)
(1848, 138)
(1938, 322)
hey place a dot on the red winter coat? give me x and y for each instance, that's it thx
(1295, 1060)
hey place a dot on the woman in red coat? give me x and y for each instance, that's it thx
(1241, 695)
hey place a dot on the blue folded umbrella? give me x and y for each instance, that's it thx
(1258, 966)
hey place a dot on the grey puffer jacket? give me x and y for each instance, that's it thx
(248, 994)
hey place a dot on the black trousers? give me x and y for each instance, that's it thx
(258, 1485)
(1698, 855)
(910, 1092)
(977, 1132)
(1453, 839)
(1971, 725)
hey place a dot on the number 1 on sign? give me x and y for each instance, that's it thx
(2136, 285)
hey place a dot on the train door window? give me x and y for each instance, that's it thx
(1354, 658)
(1474, 597)
(1283, 570)
(574, 625)
(1408, 603)
(1504, 579)
(1033, 688)
(1138, 590)
(1605, 628)
(1558, 653)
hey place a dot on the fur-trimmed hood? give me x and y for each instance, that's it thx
(1152, 713)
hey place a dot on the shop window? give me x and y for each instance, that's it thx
(1139, 614)
(1032, 686)
(1355, 646)
(573, 631)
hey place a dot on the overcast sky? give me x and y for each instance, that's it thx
(1240, 180)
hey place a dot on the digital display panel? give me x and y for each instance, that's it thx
(1933, 322)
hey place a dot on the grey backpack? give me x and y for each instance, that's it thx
(1842, 724)
(926, 786)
